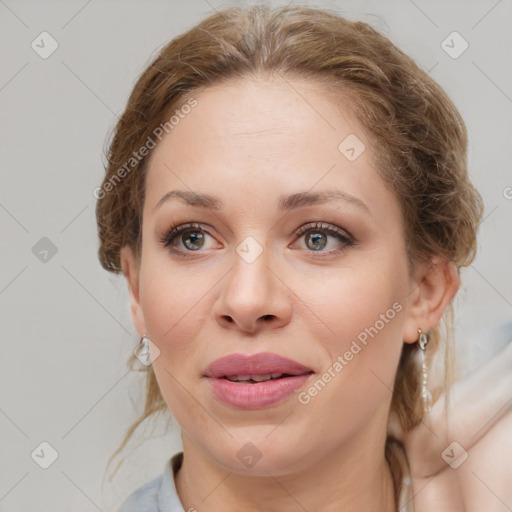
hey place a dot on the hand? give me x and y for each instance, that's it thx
(477, 403)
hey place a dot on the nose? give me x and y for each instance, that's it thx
(253, 298)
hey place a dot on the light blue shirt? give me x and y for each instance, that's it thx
(159, 494)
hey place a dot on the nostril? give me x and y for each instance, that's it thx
(268, 317)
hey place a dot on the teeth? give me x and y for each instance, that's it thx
(268, 376)
(256, 378)
(239, 377)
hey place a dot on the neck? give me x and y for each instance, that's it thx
(355, 478)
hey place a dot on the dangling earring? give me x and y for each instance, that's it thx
(425, 393)
(142, 351)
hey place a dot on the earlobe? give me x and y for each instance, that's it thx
(130, 268)
(436, 284)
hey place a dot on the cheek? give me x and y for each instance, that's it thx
(174, 304)
(351, 299)
(363, 355)
(362, 313)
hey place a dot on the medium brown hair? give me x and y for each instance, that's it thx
(418, 137)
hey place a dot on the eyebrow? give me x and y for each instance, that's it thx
(285, 203)
(299, 199)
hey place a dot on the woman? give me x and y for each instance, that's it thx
(287, 196)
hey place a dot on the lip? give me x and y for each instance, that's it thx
(259, 394)
(255, 364)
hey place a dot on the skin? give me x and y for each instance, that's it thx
(247, 143)
(480, 421)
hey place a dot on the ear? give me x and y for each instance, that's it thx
(434, 285)
(130, 266)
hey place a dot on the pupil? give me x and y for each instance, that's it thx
(196, 240)
(318, 239)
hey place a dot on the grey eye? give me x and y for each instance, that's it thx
(193, 240)
(317, 240)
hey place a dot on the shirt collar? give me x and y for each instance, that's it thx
(168, 500)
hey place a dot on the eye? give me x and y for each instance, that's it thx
(320, 237)
(186, 238)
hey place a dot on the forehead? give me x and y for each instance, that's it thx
(279, 106)
(267, 137)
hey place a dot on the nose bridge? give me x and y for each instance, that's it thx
(250, 281)
(252, 295)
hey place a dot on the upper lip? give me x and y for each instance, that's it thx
(256, 364)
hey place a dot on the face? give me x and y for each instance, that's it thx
(288, 245)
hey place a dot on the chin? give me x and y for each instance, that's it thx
(257, 456)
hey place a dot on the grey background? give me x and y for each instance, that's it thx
(65, 324)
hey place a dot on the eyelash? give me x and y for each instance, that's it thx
(174, 231)
(344, 237)
(322, 227)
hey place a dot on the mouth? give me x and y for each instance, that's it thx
(255, 368)
(256, 381)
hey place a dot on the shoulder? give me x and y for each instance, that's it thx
(144, 498)
(159, 494)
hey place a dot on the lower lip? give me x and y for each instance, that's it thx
(258, 394)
